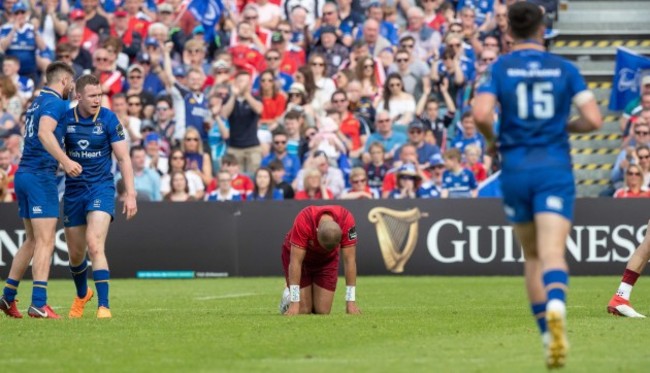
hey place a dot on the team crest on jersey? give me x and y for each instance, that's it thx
(83, 144)
(192, 101)
(98, 130)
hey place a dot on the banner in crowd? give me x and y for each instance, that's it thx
(630, 69)
(208, 12)
(416, 237)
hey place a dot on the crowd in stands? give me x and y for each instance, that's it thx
(287, 99)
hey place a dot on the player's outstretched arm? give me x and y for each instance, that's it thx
(350, 264)
(590, 118)
(46, 127)
(121, 151)
(295, 272)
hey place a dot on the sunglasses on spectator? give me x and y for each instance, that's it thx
(487, 60)
(64, 56)
(633, 173)
(284, 31)
(455, 45)
(101, 59)
(20, 12)
(328, 13)
(402, 60)
(191, 139)
(279, 142)
(394, 85)
(644, 156)
(369, 66)
(177, 157)
(339, 101)
(135, 104)
(642, 133)
(317, 64)
(358, 181)
(415, 131)
(383, 120)
(407, 46)
(292, 95)
(490, 45)
(272, 58)
(250, 18)
(135, 76)
(408, 178)
(162, 108)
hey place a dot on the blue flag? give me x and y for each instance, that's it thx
(630, 69)
(208, 12)
(491, 187)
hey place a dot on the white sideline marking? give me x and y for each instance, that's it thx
(226, 296)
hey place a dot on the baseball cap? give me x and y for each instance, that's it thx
(645, 80)
(144, 57)
(165, 8)
(297, 88)
(152, 137)
(135, 67)
(436, 160)
(147, 125)
(179, 71)
(120, 13)
(408, 169)
(220, 65)
(326, 29)
(416, 124)
(374, 4)
(277, 37)
(198, 30)
(151, 42)
(18, 7)
(75, 14)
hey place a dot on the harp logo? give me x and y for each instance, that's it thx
(397, 233)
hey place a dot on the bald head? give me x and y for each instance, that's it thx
(329, 234)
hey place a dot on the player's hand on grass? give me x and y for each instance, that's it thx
(352, 309)
(130, 207)
(294, 309)
(72, 168)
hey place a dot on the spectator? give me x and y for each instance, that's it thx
(225, 192)
(164, 123)
(448, 68)
(389, 139)
(219, 132)
(290, 162)
(361, 107)
(14, 143)
(177, 163)
(11, 101)
(359, 186)
(636, 113)
(131, 38)
(377, 168)
(273, 101)
(342, 78)
(428, 111)
(388, 30)
(350, 20)
(412, 71)
(138, 20)
(427, 40)
(240, 182)
(302, 13)
(643, 160)
(298, 101)
(5, 193)
(365, 72)
(292, 128)
(113, 46)
(197, 160)
(242, 111)
(469, 136)
(500, 32)
(332, 177)
(626, 156)
(634, 187)
(424, 150)
(135, 83)
(277, 171)
(9, 170)
(64, 53)
(80, 56)
(409, 183)
(292, 56)
(246, 52)
(324, 85)
(373, 39)
(104, 68)
(349, 125)
(331, 49)
(397, 102)
(132, 124)
(262, 36)
(96, 22)
(269, 14)
(147, 181)
(134, 106)
(25, 85)
(283, 80)
(179, 189)
(433, 187)
(89, 38)
(434, 13)
(264, 186)
(19, 38)
(156, 159)
(194, 52)
(473, 162)
(314, 188)
(457, 181)
(51, 20)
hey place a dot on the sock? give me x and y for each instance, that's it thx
(539, 312)
(39, 294)
(628, 281)
(10, 290)
(556, 283)
(101, 278)
(80, 277)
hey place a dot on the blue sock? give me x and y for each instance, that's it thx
(10, 290)
(80, 277)
(556, 283)
(539, 312)
(101, 278)
(39, 294)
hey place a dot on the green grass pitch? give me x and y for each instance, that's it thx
(409, 324)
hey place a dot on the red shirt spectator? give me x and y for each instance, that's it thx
(351, 128)
(303, 195)
(628, 193)
(479, 171)
(273, 106)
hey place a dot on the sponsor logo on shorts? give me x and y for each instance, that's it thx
(554, 203)
(97, 203)
(66, 219)
(510, 212)
(37, 210)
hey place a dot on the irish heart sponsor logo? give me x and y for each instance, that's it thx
(83, 144)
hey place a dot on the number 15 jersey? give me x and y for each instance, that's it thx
(535, 90)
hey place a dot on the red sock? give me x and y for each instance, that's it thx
(630, 277)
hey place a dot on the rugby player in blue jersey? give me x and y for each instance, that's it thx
(535, 90)
(36, 190)
(92, 134)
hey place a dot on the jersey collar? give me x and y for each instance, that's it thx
(50, 91)
(76, 114)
